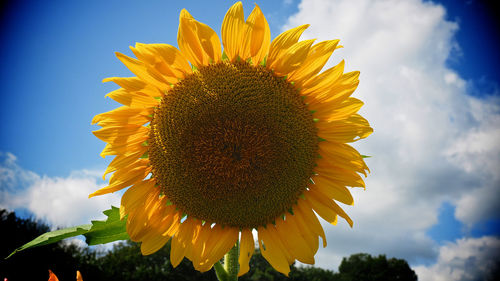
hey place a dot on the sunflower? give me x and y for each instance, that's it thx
(215, 145)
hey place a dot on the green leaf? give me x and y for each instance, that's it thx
(99, 232)
(112, 229)
(54, 237)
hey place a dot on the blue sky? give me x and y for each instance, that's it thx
(54, 55)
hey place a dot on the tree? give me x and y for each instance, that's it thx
(366, 267)
(125, 262)
(33, 264)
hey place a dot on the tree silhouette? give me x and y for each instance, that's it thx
(33, 264)
(368, 268)
(125, 262)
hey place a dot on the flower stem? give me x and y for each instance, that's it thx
(231, 266)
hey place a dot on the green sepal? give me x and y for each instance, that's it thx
(264, 61)
(224, 56)
(365, 156)
(194, 68)
(99, 232)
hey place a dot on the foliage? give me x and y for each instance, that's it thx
(366, 267)
(34, 264)
(125, 262)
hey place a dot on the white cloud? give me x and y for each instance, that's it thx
(466, 259)
(11, 175)
(59, 201)
(432, 142)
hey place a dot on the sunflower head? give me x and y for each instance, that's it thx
(214, 144)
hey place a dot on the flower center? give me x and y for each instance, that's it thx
(233, 144)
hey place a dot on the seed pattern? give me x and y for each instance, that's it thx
(233, 144)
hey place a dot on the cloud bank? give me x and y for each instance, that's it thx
(465, 260)
(59, 201)
(433, 142)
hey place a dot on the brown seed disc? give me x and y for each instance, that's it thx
(233, 144)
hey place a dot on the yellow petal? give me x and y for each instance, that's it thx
(219, 245)
(197, 41)
(324, 81)
(134, 176)
(326, 208)
(132, 84)
(78, 276)
(272, 252)
(257, 37)
(339, 175)
(305, 214)
(332, 190)
(304, 230)
(316, 59)
(125, 173)
(151, 217)
(133, 99)
(181, 242)
(121, 133)
(247, 246)
(233, 28)
(276, 239)
(291, 58)
(153, 243)
(122, 116)
(325, 104)
(200, 241)
(284, 41)
(135, 195)
(349, 130)
(345, 109)
(132, 146)
(293, 241)
(166, 59)
(122, 161)
(148, 75)
(343, 156)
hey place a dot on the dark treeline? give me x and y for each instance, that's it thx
(125, 262)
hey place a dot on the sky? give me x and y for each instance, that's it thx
(429, 81)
